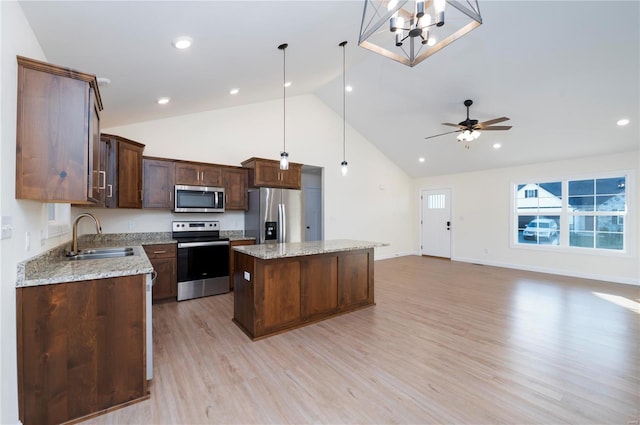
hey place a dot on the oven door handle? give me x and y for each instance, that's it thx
(196, 244)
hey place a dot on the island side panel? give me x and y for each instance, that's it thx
(355, 278)
(243, 293)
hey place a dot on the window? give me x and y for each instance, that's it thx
(597, 208)
(57, 218)
(436, 201)
(538, 206)
(578, 213)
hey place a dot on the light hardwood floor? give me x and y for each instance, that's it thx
(447, 342)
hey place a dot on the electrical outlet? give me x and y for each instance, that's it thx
(247, 276)
(132, 225)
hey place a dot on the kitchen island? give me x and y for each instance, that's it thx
(278, 287)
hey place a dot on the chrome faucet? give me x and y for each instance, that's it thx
(74, 235)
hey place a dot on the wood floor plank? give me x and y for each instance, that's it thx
(447, 342)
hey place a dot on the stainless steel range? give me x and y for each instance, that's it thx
(203, 259)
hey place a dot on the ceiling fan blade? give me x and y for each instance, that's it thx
(442, 134)
(493, 121)
(496, 127)
(450, 124)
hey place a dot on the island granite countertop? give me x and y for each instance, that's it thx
(297, 249)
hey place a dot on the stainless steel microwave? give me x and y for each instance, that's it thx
(198, 199)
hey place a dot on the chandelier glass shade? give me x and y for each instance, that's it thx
(409, 31)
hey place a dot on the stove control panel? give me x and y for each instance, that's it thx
(195, 226)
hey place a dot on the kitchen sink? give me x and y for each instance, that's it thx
(97, 253)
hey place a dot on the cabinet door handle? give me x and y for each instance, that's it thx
(104, 180)
(110, 194)
(170, 196)
(164, 251)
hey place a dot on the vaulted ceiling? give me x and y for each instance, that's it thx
(563, 71)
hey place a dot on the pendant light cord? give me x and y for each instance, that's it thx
(344, 103)
(284, 98)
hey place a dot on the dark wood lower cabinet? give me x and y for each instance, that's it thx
(286, 293)
(81, 348)
(163, 258)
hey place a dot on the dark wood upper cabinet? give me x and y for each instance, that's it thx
(129, 174)
(267, 173)
(198, 174)
(119, 173)
(158, 182)
(57, 134)
(236, 182)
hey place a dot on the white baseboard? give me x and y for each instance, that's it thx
(394, 255)
(593, 276)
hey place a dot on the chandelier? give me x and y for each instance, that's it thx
(411, 31)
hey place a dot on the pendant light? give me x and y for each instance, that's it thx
(284, 156)
(343, 164)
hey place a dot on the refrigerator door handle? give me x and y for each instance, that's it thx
(283, 223)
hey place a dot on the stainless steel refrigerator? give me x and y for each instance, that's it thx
(275, 215)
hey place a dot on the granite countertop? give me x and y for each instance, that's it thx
(297, 249)
(53, 267)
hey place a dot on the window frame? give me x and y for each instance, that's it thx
(565, 215)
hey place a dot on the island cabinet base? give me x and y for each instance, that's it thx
(276, 295)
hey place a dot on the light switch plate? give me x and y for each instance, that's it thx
(7, 227)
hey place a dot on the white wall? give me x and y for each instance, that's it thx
(26, 216)
(481, 219)
(373, 202)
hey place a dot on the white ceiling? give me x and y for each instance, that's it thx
(563, 71)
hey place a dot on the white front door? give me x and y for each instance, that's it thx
(436, 222)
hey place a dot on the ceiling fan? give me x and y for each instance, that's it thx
(470, 129)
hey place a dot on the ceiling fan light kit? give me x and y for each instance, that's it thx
(470, 129)
(409, 31)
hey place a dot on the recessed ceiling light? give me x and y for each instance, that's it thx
(623, 122)
(163, 100)
(349, 89)
(421, 159)
(182, 42)
(234, 91)
(287, 84)
(497, 145)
